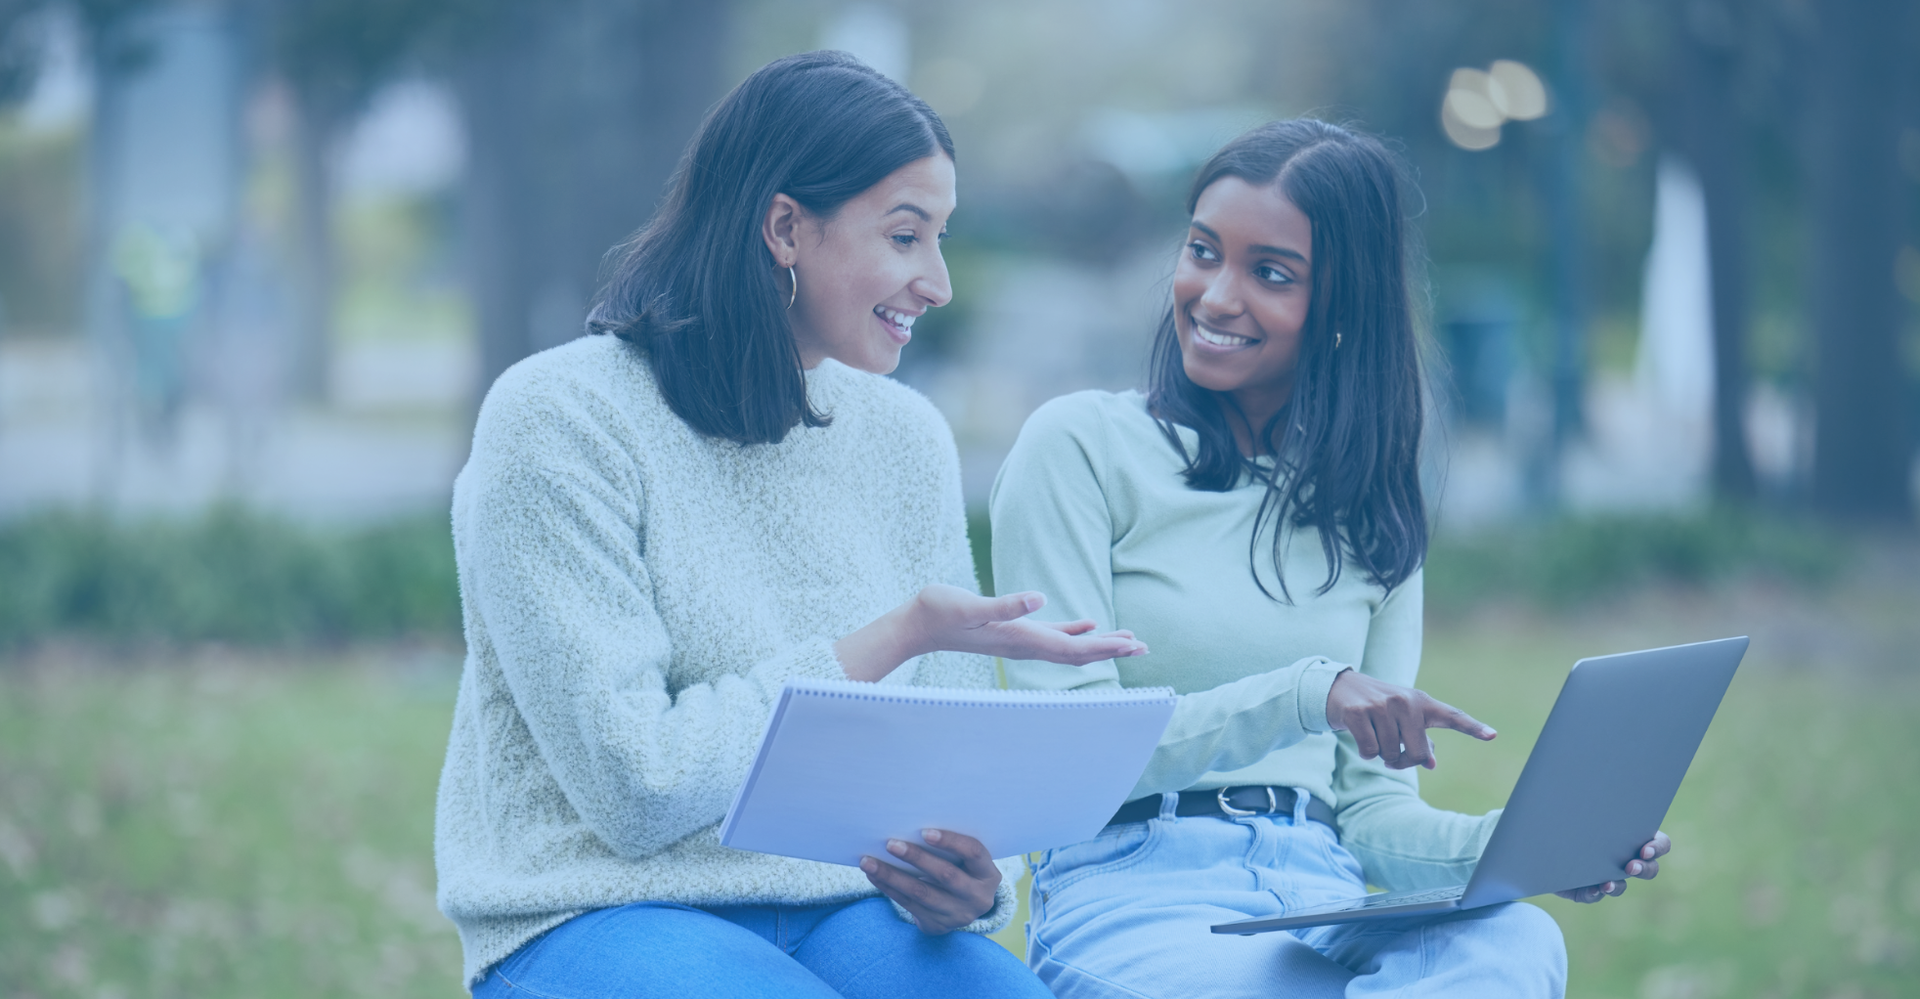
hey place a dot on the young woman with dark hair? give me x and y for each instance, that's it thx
(657, 528)
(1257, 516)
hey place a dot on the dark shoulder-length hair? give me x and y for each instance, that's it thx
(696, 288)
(1346, 444)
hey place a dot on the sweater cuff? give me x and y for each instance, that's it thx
(1316, 684)
(1006, 901)
(813, 660)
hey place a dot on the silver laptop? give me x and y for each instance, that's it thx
(1593, 792)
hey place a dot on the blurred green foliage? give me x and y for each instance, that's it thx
(980, 536)
(236, 576)
(1562, 562)
(229, 575)
(1559, 563)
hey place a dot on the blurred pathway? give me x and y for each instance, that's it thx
(391, 442)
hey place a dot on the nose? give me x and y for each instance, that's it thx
(934, 286)
(1222, 297)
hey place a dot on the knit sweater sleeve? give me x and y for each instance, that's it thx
(1053, 531)
(549, 536)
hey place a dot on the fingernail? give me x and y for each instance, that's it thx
(869, 865)
(1634, 868)
(930, 835)
(896, 848)
(1031, 602)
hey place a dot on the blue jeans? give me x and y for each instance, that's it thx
(1127, 914)
(846, 950)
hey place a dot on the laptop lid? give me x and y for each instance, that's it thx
(1600, 779)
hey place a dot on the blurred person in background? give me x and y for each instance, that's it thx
(659, 526)
(1260, 504)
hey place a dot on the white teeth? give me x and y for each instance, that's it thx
(899, 319)
(1220, 339)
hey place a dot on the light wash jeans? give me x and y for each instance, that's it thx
(1127, 914)
(848, 950)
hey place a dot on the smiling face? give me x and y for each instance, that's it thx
(1240, 296)
(869, 271)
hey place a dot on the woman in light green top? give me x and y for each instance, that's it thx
(1256, 518)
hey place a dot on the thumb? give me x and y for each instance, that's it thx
(1016, 605)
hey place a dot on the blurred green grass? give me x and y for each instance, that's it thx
(185, 819)
(221, 828)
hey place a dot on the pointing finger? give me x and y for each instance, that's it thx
(1443, 715)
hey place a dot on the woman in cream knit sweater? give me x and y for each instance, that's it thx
(658, 527)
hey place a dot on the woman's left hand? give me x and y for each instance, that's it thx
(1646, 866)
(944, 896)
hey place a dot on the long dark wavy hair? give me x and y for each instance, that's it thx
(696, 288)
(1346, 445)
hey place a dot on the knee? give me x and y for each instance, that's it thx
(1529, 934)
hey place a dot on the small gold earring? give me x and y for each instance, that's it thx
(793, 279)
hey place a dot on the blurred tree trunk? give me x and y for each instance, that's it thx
(1713, 135)
(576, 116)
(1563, 188)
(314, 265)
(1861, 454)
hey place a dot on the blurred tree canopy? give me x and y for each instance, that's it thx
(1793, 114)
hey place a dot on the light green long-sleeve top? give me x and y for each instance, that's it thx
(1091, 509)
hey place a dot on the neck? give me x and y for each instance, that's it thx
(1248, 412)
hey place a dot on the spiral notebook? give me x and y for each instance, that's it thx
(845, 766)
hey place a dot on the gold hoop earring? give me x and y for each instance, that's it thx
(793, 279)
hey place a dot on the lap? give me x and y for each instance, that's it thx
(1131, 916)
(854, 951)
(649, 950)
(864, 950)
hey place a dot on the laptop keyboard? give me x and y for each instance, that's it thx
(1378, 899)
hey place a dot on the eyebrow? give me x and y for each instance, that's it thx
(915, 209)
(1258, 248)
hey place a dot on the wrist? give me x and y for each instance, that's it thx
(881, 646)
(1334, 717)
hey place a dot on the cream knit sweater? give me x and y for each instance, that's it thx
(634, 595)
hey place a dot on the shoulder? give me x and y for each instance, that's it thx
(891, 412)
(1092, 422)
(1085, 412)
(592, 387)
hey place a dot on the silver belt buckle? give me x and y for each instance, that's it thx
(1227, 808)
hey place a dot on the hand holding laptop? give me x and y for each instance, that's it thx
(1646, 868)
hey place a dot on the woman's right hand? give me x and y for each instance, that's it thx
(948, 618)
(1391, 721)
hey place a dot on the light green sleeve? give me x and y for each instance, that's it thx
(1053, 531)
(1402, 842)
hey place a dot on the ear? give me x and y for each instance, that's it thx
(780, 230)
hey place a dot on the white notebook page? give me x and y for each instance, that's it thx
(845, 766)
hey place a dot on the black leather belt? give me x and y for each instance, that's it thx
(1227, 802)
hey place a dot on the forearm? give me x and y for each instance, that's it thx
(881, 646)
(1238, 724)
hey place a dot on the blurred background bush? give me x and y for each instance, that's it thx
(260, 259)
